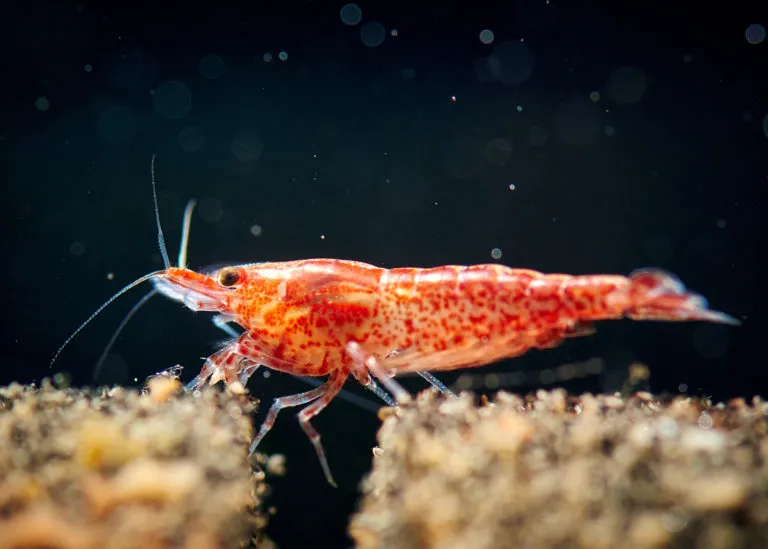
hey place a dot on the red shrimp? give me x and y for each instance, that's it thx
(331, 317)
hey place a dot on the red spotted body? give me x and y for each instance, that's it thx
(300, 316)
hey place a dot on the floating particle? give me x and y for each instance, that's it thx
(110, 276)
(267, 57)
(595, 96)
(283, 56)
(512, 187)
(393, 32)
(453, 98)
(256, 230)
(721, 223)
(486, 36)
(88, 68)
(496, 253)
(610, 131)
(322, 237)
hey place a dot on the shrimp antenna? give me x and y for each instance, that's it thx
(160, 239)
(130, 286)
(182, 264)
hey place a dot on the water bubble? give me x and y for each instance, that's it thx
(42, 104)
(172, 100)
(191, 139)
(755, 33)
(211, 66)
(351, 14)
(496, 253)
(372, 34)
(116, 123)
(627, 85)
(486, 36)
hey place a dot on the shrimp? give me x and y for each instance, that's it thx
(336, 318)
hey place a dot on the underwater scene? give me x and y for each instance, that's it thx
(384, 275)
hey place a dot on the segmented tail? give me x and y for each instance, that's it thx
(657, 295)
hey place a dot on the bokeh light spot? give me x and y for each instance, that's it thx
(88, 68)
(351, 14)
(577, 121)
(172, 100)
(283, 56)
(77, 248)
(372, 34)
(511, 63)
(42, 104)
(211, 66)
(211, 210)
(486, 36)
(711, 340)
(256, 230)
(498, 151)
(496, 253)
(627, 85)
(755, 33)
(247, 146)
(537, 136)
(191, 139)
(116, 123)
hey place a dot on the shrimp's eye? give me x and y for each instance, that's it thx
(229, 276)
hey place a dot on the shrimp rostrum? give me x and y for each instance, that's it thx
(336, 318)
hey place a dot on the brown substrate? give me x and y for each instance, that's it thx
(120, 469)
(556, 471)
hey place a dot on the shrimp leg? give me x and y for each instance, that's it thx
(322, 396)
(368, 362)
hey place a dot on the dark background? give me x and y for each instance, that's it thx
(634, 133)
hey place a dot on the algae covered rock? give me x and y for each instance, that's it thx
(556, 471)
(116, 468)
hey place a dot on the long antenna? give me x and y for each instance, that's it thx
(160, 239)
(133, 284)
